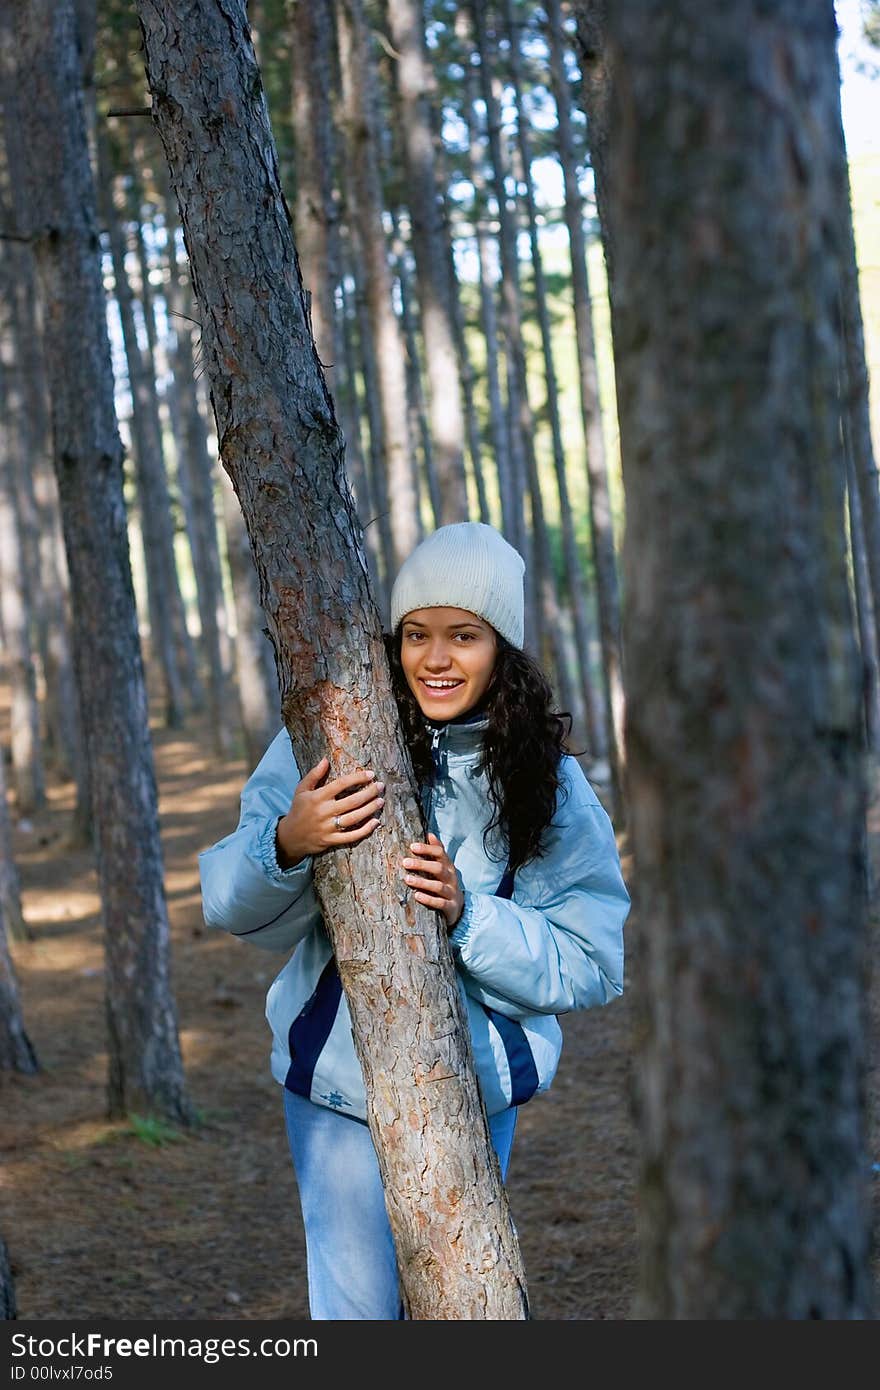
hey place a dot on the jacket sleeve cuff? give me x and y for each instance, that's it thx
(267, 856)
(466, 923)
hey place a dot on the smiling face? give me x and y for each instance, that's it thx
(448, 656)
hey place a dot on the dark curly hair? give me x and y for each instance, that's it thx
(522, 745)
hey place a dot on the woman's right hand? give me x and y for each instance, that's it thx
(338, 813)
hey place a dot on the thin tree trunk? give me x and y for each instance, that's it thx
(258, 700)
(196, 480)
(864, 607)
(574, 577)
(64, 737)
(416, 88)
(10, 887)
(745, 756)
(281, 445)
(856, 403)
(363, 489)
(17, 444)
(599, 499)
(511, 502)
(8, 1309)
(418, 415)
(16, 1050)
(465, 366)
(364, 209)
(145, 1067)
(372, 395)
(153, 499)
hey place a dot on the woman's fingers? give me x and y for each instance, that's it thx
(361, 797)
(351, 837)
(429, 885)
(315, 774)
(345, 820)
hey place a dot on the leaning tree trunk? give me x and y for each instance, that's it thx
(281, 445)
(145, 1066)
(743, 725)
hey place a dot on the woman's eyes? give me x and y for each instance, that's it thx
(465, 636)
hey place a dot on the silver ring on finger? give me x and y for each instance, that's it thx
(337, 821)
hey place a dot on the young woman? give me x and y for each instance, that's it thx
(520, 858)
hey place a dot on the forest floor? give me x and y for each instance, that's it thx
(123, 1220)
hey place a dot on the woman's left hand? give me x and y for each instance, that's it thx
(433, 875)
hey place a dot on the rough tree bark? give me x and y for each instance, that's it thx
(145, 1068)
(282, 447)
(743, 702)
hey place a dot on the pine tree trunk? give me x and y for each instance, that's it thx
(416, 88)
(62, 722)
(258, 699)
(196, 480)
(574, 577)
(511, 503)
(8, 1309)
(280, 443)
(364, 210)
(145, 1065)
(152, 487)
(856, 403)
(864, 608)
(376, 457)
(10, 887)
(415, 398)
(16, 1050)
(599, 500)
(520, 426)
(745, 756)
(17, 445)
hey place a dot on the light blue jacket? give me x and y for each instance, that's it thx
(554, 945)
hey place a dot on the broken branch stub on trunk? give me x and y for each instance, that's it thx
(282, 447)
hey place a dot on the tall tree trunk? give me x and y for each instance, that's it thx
(8, 1309)
(418, 415)
(145, 1066)
(510, 500)
(64, 737)
(10, 887)
(15, 612)
(196, 479)
(864, 607)
(152, 486)
(280, 443)
(17, 444)
(258, 699)
(743, 704)
(314, 87)
(416, 88)
(856, 403)
(599, 500)
(16, 1049)
(574, 577)
(364, 199)
(376, 457)
(362, 483)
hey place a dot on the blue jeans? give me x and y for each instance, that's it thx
(349, 1248)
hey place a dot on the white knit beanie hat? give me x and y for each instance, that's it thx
(466, 565)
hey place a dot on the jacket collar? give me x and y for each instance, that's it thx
(462, 735)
